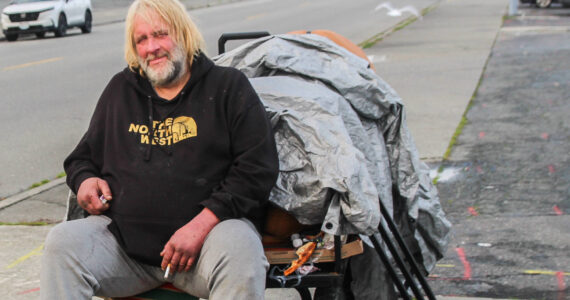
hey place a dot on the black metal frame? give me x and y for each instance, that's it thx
(408, 267)
(238, 36)
(411, 262)
(313, 280)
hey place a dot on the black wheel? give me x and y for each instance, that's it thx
(40, 35)
(543, 3)
(11, 37)
(61, 26)
(86, 28)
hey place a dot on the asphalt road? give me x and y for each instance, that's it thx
(49, 86)
(506, 185)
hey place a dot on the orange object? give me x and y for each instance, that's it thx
(339, 40)
(304, 252)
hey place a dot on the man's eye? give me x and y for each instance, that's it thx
(140, 40)
(162, 33)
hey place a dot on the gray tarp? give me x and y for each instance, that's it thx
(341, 132)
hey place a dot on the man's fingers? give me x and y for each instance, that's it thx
(183, 263)
(103, 186)
(175, 261)
(189, 264)
(166, 256)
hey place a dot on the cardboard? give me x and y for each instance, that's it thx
(286, 256)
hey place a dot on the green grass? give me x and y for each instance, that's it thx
(38, 223)
(35, 185)
(380, 36)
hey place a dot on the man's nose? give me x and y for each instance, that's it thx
(152, 45)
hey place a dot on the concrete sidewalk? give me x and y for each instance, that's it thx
(434, 63)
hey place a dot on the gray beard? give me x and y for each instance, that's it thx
(174, 69)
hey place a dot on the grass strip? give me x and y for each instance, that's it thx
(402, 24)
(37, 184)
(37, 223)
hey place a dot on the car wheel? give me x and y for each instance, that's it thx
(61, 26)
(11, 37)
(543, 3)
(86, 28)
(40, 35)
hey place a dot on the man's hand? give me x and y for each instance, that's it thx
(89, 192)
(185, 244)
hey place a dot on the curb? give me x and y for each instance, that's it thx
(27, 194)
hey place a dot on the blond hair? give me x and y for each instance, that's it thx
(173, 13)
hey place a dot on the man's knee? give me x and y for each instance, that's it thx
(239, 243)
(59, 238)
(72, 236)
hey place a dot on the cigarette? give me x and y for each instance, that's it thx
(166, 273)
(103, 200)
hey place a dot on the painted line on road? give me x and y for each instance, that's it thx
(445, 265)
(253, 17)
(37, 251)
(466, 265)
(34, 63)
(545, 272)
(29, 291)
(561, 285)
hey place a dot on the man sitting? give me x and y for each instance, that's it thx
(174, 170)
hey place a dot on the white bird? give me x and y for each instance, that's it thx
(396, 12)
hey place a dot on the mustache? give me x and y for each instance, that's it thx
(159, 54)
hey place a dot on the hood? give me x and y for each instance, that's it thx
(38, 6)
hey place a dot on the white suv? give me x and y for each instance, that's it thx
(41, 16)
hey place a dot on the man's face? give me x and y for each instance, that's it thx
(162, 60)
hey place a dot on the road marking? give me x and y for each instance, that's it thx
(37, 251)
(545, 272)
(466, 265)
(29, 291)
(253, 17)
(445, 265)
(39, 62)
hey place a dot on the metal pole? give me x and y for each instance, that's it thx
(390, 268)
(411, 261)
(513, 7)
(399, 262)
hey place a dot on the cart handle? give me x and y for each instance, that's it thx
(238, 36)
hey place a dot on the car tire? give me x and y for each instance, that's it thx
(86, 28)
(61, 26)
(11, 37)
(40, 35)
(543, 3)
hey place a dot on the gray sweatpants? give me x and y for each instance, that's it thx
(82, 259)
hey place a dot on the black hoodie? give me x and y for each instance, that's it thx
(211, 146)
